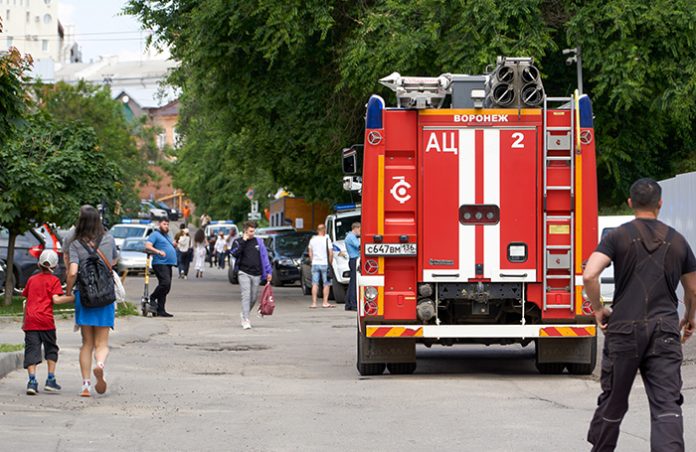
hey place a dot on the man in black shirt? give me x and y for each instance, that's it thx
(251, 259)
(642, 332)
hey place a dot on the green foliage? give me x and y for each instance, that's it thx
(13, 99)
(8, 348)
(280, 87)
(126, 309)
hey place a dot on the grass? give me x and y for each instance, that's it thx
(5, 348)
(62, 311)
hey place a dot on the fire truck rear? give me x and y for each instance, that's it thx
(479, 207)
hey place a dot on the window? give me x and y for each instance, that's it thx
(161, 140)
(44, 45)
(28, 17)
(9, 41)
(47, 19)
(176, 138)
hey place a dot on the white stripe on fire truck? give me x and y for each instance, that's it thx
(491, 196)
(467, 195)
(371, 280)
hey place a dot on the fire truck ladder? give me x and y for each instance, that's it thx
(562, 147)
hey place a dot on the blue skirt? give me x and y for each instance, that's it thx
(103, 316)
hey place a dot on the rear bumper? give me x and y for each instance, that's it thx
(479, 331)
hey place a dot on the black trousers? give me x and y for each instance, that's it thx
(185, 262)
(351, 297)
(654, 348)
(164, 284)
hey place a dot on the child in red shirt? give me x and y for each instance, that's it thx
(42, 291)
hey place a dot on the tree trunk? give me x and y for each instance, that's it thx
(9, 274)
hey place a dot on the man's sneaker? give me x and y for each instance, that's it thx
(52, 386)
(33, 387)
(246, 325)
(100, 387)
(85, 391)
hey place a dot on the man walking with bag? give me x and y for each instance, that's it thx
(163, 260)
(253, 264)
(642, 332)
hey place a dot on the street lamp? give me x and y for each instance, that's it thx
(575, 57)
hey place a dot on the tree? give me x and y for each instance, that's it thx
(49, 171)
(92, 105)
(283, 84)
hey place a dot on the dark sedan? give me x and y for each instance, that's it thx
(28, 248)
(285, 252)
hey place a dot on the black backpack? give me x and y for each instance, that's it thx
(95, 281)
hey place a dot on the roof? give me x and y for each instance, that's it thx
(143, 80)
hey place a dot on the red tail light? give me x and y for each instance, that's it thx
(36, 250)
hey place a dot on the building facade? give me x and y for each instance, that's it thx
(32, 26)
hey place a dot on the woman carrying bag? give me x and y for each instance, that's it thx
(92, 255)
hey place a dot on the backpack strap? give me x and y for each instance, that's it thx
(91, 251)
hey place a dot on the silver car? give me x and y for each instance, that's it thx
(133, 258)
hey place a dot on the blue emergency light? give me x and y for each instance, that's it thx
(585, 106)
(222, 222)
(134, 221)
(344, 207)
(373, 118)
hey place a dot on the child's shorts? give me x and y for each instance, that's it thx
(32, 347)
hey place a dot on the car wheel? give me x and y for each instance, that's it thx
(339, 291)
(275, 280)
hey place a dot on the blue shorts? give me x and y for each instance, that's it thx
(320, 273)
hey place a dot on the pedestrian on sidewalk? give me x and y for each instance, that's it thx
(182, 226)
(163, 260)
(642, 332)
(251, 258)
(321, 256)
(42, 291)
(187, 213)
(353, 249)
(221, 250)
(199, 252)
(94, 322)
(211, 257)
(185, 249)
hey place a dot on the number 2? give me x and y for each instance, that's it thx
(518, 137)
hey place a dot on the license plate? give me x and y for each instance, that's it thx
(390, 249)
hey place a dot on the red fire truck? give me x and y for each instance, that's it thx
(479, 208)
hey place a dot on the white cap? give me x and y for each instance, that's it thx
(48, 259)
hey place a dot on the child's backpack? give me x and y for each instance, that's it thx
(267, 304)
(95, 280)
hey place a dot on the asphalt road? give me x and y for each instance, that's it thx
(199, 382)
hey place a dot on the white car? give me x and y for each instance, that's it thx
(226, 226)
(606, 224)
(338, 225)
(131, 229)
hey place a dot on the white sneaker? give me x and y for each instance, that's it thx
(246, 325)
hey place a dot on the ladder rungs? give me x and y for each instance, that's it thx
(559, 217)
(558, 247)
(559, 306)
(559, 99)
(563, 159)
(559, 277)
(559, 187)
(559, 129)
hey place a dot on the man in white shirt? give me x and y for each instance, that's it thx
(321, 256)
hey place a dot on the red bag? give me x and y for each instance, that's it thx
(267, 304)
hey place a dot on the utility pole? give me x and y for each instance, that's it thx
(575, 57)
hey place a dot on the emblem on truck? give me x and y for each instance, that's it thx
(374, 138)
(400, 189)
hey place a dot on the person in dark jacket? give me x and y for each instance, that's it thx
(254, 266)
(642, 330)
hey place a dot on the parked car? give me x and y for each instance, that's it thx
(226, 226)
(172, 213)
(274, 230)
(338, 225)
(151, 211)
(132, 258)
(306, 277)
(285, 252)
(131, 229)
(28, 248)
(3, 266)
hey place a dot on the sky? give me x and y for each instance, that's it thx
(102, 30)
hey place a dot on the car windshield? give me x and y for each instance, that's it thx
(123, 232)
(343, 226)
(292, 245)
(133, 245)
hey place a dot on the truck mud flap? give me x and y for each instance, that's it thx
(386, 350)
(565, 350)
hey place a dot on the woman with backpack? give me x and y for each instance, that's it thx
(92, 255)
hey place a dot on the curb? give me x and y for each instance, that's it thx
(10, 362)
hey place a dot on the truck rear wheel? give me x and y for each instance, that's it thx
(550, 368)
(401, 368)
(366, 369)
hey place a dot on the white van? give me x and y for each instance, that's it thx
(606, 224)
